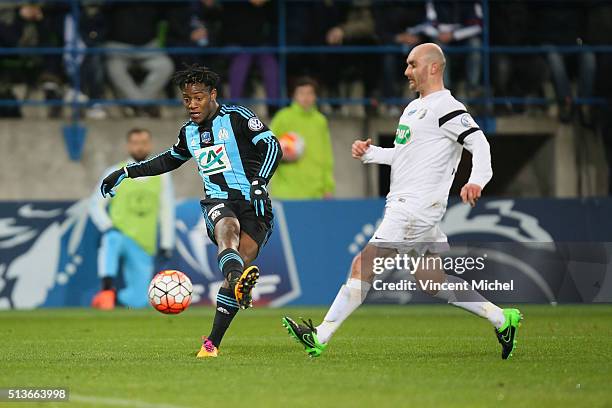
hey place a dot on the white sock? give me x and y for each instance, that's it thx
(349, 297)
(485, 309)
(474, 302)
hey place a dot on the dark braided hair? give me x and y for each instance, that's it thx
(196, 74)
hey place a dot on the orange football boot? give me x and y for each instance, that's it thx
(104, 300)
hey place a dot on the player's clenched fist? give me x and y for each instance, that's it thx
(259, 196)
(111, 181)
(360, 147)
(470, 193)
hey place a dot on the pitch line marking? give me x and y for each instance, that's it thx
(119, 402)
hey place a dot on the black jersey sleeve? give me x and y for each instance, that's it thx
(164, 162)
(180, 149)
(250, 127)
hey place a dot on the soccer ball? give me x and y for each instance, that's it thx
(170, 292)
(292, 146)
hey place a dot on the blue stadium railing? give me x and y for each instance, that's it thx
(282, 50)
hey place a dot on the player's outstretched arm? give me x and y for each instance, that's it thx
(366, 152)
(162, 163)
(477, 144)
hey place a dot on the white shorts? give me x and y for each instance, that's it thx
(407, 231)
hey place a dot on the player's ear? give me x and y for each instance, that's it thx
(434, 68)
(213, 94)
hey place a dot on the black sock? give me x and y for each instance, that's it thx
(107, 283)
(230, 263)
(227, 307)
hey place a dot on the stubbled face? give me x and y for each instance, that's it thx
(139, 145)
(305, 96)
(416, 71)
(199, 101)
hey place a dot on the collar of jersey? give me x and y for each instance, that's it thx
(435, 94)
(298, 108)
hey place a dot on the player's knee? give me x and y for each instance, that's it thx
(356, 271)
(227, 233)
(424, 275)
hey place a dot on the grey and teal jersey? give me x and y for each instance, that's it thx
(231, 149)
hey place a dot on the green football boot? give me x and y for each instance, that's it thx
(306, 334)
(506, 335)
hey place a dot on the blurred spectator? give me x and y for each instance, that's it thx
(307, 169)
(31, 25)
(194, 24)
(555, 23)
(90, 67)
(129, 224)
(307, 25)
(599, 32)
(251, 24)
(393, 22)
(356, 27)
(457, 23)
(122, 33)
(517, 75)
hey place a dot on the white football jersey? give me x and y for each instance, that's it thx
(429, 139)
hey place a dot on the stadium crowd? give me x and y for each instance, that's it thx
(211, 23)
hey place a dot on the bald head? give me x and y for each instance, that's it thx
(430, 53)
(425, 69)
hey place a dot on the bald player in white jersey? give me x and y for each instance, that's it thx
(431, 134)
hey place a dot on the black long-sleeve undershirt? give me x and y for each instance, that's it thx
(160, 164)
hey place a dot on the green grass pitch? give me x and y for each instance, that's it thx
(384, 356)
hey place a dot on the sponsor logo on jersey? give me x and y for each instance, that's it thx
(402, 134)
(223, 134)
(411, 112)
(213, 160)
(255, 124)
